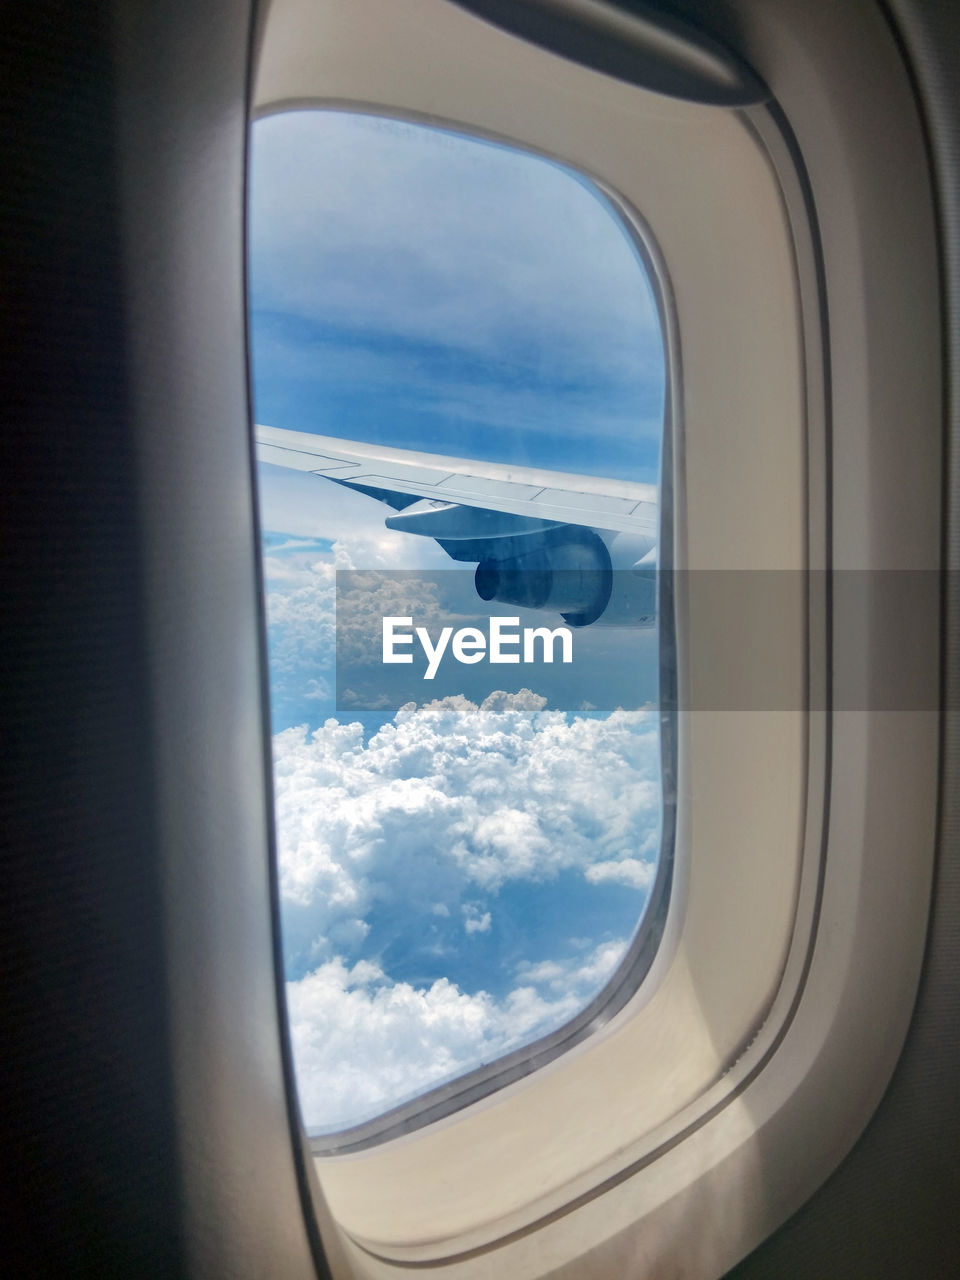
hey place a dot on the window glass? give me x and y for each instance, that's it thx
(463, 863)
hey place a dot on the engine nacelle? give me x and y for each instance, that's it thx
(571, 575)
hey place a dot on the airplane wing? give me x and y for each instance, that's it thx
(538, 536)
(459, 499)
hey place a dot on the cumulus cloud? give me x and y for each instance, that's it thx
(300, 604)
(413, 836)
(452, 796)
(362, 1043)
(475, 921)
(317, 690)
(300, 579)
(367, 598)
(423, 827)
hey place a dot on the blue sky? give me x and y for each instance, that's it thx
(476, 300)
(457, 877)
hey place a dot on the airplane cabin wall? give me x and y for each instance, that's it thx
(134, 999)
(891, 1208)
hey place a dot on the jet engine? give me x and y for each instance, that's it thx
(533, 563)
(571, 575)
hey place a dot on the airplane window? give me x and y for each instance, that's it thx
(459, 370)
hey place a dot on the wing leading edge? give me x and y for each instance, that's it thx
(409, 481)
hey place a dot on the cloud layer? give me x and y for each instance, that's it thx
(363, 1044)
(381, 224)
(450, 795)
(407, 849)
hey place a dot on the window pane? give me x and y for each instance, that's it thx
(463, 869)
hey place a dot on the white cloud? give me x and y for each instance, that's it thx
(474, 921)
(300, 618)
(431, 817)
(301, 588)
(546, 971)
(629, 871)
(439, 813)
(430, 820)
(451, 795)
(362, 1043)
(317, 690)
(583, 978)
(365, 600)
